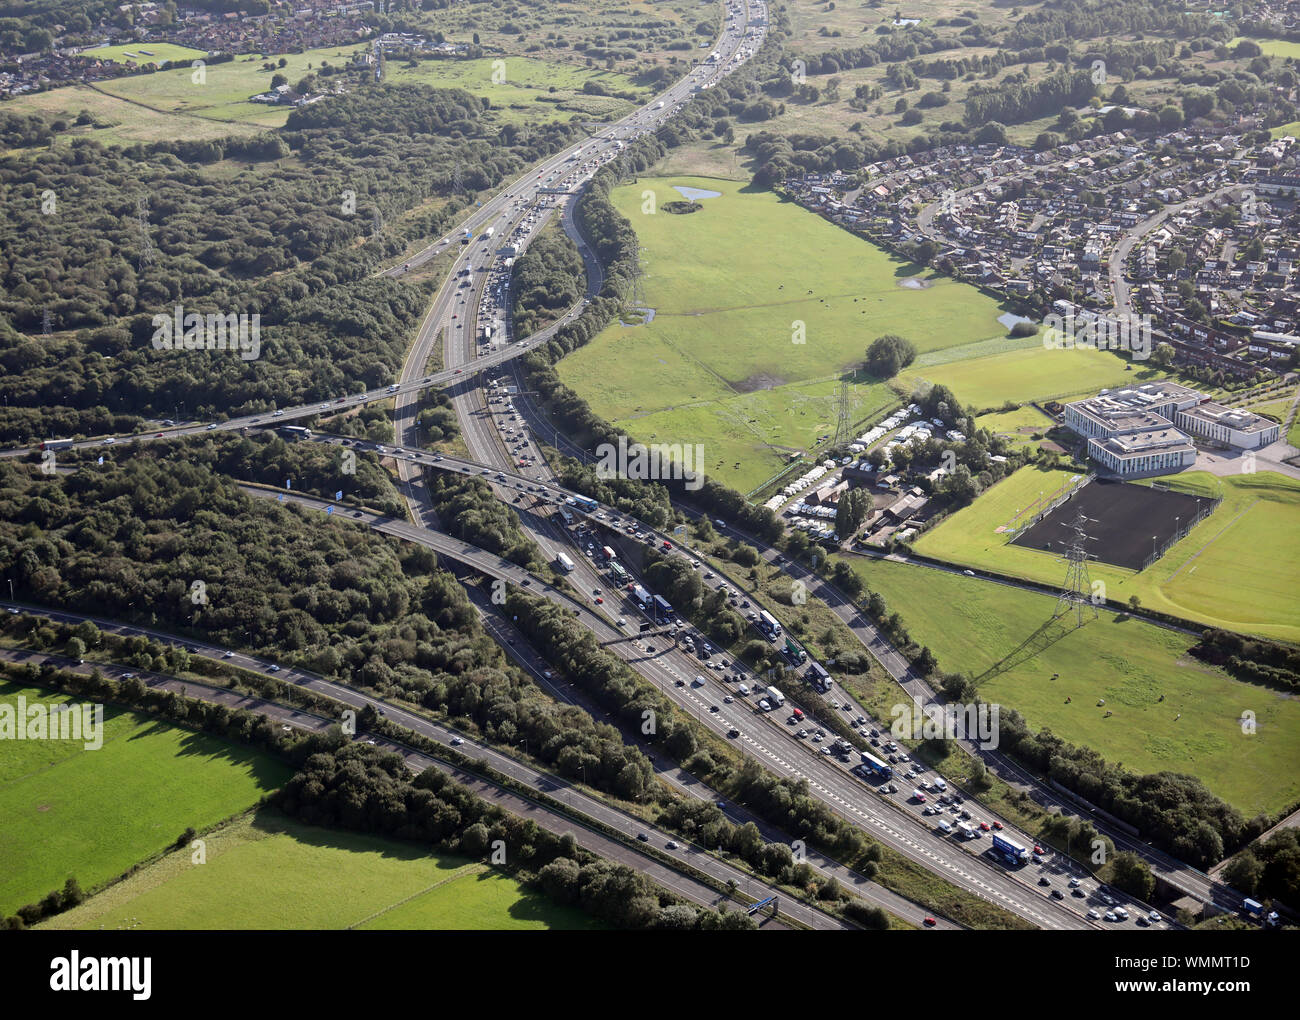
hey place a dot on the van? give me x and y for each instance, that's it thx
(744, 690)
(944, 827)
(939, 784)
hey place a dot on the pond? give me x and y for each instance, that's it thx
(695, 194)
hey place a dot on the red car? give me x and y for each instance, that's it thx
(668, 545)
(1037, 849)
(984, 826)
(998, 826)
(599, 601)
(930, 922)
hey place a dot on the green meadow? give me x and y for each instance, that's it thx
(1236, 569)
(754, 294)
(92, 814)
(1005, 639)
(267, 871)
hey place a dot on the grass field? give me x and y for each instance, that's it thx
(1235, 569)
(997, 635)
(1031, 373)
(265, 870)
(728, 304)
(168, 104)
(158, 53)
(93, 814)
(1017, 426)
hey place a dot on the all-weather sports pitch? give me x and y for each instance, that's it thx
(1125, 518)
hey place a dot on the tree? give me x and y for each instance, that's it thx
(1131, 873)
(1134, 603)
(888, 355)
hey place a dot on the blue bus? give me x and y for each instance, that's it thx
(876, 766)
(583, 503)
(1010, 851)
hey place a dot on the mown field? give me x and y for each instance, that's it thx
(1031, 373)
(265, 870)
(92, 814)
(1236, 569)
(1003, 638)
(145, 53)
(729, 301)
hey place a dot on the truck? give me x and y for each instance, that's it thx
(583, 503)
(617, 572)
(641, 597)
(767, 624)
(794, 653)
(663, 611)
(295, 432)
(487, 234)
(817, 675)
(877, 767)
(55, 444)
(659, 105)
(1010, 851)
(564, 563)
(608, 553)
(775, 696)
(568, 517)
(967, 831)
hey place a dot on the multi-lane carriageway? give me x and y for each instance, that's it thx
(760, 735)
(495, 211)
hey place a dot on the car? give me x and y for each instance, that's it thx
(671, 844)
(228, 654)
(599, 601)
(918, 796)
(1079, 893)
(713, 708)
(1111, 916)
(997, 826)
(1057, 894)
(666, 545)
(1154, 917)
(984, 826)
(928, 810)
(930, 922)
(969, 573)
(277, 414)
(158, 435)
(1044, 880)
(109, 441)
(1093, 915)
(1075, 882)
(729, 699)
(456, 741)
(643, 837)
(212, 426)
(1038, 850)
(274, 668)
(733, 732)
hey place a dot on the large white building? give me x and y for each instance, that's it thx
(1148, 429)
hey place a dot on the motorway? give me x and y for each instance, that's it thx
(543, 783)
(508, 211)
(757, 732)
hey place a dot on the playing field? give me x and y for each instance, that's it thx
(68, 811)
(1031, 373)
(144, 53)
(1236, 569)
(1003, 638)
(265, 870)
(738, 313)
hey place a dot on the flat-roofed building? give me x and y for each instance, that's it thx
(1229, 425)
(1144, 453)
(1148, 429)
